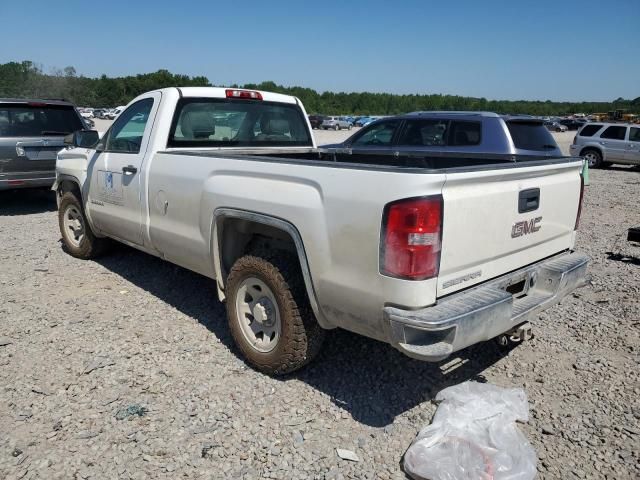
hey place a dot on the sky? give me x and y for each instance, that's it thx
(560, 50)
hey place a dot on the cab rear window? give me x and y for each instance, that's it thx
(216, 122)
(23, 120)
(531, 136)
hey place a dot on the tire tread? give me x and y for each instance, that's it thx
(302, 336)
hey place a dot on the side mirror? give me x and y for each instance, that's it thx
(82, 139)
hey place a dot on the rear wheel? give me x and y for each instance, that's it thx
(269, 314)
(593, 157)
(77, 237)
(337, 127)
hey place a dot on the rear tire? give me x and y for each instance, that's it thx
(77, 238)
(593, 157)
(269, 314)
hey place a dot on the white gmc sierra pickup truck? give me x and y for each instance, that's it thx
(430, 252)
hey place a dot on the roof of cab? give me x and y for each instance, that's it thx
(220, 92)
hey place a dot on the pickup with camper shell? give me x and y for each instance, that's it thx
(428, 251)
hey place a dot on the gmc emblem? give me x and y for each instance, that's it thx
(525, 227)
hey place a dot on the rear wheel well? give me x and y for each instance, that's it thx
(238, 237)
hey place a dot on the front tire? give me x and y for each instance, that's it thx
(269, 314)
(593, 157)
(77, 238)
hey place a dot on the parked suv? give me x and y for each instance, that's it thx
(31, 134)
(573, 124)
(336, 123)
(602, 144)
(316, 120)
(463, 132)
(556, 126)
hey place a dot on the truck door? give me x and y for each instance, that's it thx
(632, 153)
(116, 187)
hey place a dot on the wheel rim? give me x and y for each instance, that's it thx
(592, 158)
(73, 223)
(258, 315)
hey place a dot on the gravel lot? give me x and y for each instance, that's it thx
(124, 368)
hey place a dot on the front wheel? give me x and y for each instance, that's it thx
(593, 157)
(269, 314)
(77, 237)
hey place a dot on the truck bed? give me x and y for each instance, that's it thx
(414, 162)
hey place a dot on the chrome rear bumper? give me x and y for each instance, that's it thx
(486, 311)
(9, 181)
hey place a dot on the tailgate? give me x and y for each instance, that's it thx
(500, 220)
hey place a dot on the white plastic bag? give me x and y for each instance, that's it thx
(473, 436)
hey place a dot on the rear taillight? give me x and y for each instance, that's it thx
(244, 94)
(411, 237)
(580, 203)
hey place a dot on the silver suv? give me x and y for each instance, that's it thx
(31, 134)
(602, 144)
(336, 123)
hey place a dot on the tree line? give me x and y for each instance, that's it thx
(28, 80)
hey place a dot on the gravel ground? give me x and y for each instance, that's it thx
(124, 368)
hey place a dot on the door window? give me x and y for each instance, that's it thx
(425, 133)
(634, 134)
(614, 133)
(378, 135)
(463, 134)
(127, 131)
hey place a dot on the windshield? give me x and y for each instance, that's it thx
(215, 122)
(22, 120)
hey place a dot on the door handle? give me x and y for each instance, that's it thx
(129, 170)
